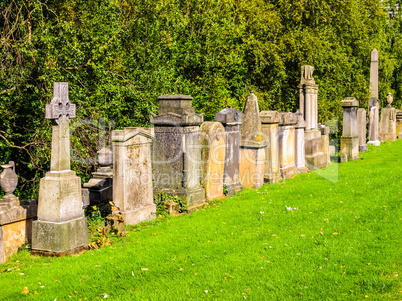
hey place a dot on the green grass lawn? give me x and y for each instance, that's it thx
(344, 242)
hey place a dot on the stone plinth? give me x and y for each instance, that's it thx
(287, 144)
(176, 150)
(213, 143)
(373, 127)
(388, 124)
(252, 146)
(15, 225)
(361, 129)
(61, 226)
(299, 144)
(269, 127)
(132, 181)
(325, 142)
(231, 119)
(350, 139)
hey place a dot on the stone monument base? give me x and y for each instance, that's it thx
(233, 189)
(388, 137)
(363, 148)
(59, 237)
(302, 169)
(15, 225)
(288, 172)
(251, 167)
(193, 195)
(316, 161)
(375, 143)
(350, 147)
(140, 214)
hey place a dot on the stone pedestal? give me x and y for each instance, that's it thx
(315, 158)
(361, 129)
(176, 151)
(373, 127)
(287, 144)
(61, 227)
(213, 147)
(99, 189)
(15, 225)
(350, 139)
(325, 142)
(388, 124)
(299, 147)
(252, 146)
(231, 119)
(399, 124)
(269, 127)
(132, 181)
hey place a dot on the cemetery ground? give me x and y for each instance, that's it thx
(333, 234)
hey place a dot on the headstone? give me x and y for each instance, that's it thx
(15, 217)
(213, 143)
(374, 74)
(269, 127)
(300, 149)
(315, 157)
(61, 226)
(350, 138)
(361, 129)
(231, 119)
(176, 150)
(399, 124)
(388, 121)
(252, 145)
(287, 144)
(132, 181)
(373, 127)
(99, 189)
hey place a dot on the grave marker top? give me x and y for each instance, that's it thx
(60, 106)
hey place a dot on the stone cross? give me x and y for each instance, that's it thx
(60, 106)
(61, 110)
(374, 74)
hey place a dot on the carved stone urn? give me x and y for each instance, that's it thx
(390, 99)
(8, 179)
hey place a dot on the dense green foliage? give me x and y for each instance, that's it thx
(119, 56)
(342, 242)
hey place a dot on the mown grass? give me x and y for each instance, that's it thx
(342, 243)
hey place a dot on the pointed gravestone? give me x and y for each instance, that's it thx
(61, 226)
(252, 146)
(361, 129)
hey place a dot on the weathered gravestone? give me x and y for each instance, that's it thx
(373, 127)
(315, 157)
(388, 121)
(299, 150)
(132, 181)
(61, 226)
(231, 119)
(350, 139)
(361, 129)
(213, 148)
(15, 217)
(252, 146)
(176, 150)
(269, 127)
(287, 144)
(325, 141)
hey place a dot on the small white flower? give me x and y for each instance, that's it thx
(206, 291)
(262, 212)
(288, 208)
